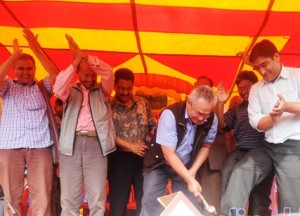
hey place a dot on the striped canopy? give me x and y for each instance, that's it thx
(167, 43)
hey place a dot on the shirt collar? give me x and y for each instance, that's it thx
(32, 83)
(283, 74)
(117, 103)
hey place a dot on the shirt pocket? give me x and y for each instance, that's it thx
(34, 100)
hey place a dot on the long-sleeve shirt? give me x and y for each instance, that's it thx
(263, 97)
(24, 122)
(62, 87)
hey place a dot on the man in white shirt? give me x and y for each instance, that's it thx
(274, 108)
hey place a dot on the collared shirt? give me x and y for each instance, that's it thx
(245, 135)
(263, 97)
(1, 105)
(24, 122)
(62, 89)
(167, 134)
(133, 123)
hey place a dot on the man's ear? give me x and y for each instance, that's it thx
(277, 57)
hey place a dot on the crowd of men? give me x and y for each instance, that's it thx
(93, 137)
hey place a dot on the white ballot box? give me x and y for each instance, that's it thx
(177, 204)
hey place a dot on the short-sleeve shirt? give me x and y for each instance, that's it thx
(133, 123)
(167, 134)
(24, 122)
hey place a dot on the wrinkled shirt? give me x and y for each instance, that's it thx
(167, 134)
(263, 97)
(133, 123)
(24, 122)
(245, 135)
(62, 88)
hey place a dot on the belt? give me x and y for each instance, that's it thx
(86, 133)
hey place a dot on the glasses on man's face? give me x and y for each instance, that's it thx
(198, 113)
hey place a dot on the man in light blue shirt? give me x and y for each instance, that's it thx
(184, 135)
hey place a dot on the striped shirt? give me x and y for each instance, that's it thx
(24, 122)
(237, 119)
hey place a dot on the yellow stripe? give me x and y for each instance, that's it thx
(154, 67)
(152, 42)
(105, 40)
(191, 44)
(286, 5)
(83, 1)
(260, 5)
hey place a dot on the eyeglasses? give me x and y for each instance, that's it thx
(198, 113)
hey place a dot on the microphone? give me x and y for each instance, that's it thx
(3, 198)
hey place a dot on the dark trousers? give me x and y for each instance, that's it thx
(259, 200)
(155, 183)
(256, 166)
(124, 170)
(55, 194)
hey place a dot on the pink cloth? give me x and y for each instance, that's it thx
(39, 177)
(273, 197)
(62, 89)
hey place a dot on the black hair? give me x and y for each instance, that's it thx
(125, 74)
(25, 56)
(246, 75)
(58, 102)
(265, 48)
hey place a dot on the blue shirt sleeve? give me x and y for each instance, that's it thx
(210, 138)
(166, 129)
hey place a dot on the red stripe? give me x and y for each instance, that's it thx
(6, 19)
(150, 18)
(283, 24)
(4, 54)
(63, 58)
(74, 15)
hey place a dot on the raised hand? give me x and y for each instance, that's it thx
(17, 51)
(32, 40)
(222, 94)
(244, 57)
(76, 52)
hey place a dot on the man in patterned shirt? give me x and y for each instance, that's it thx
(24, 129)
(134, 122)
